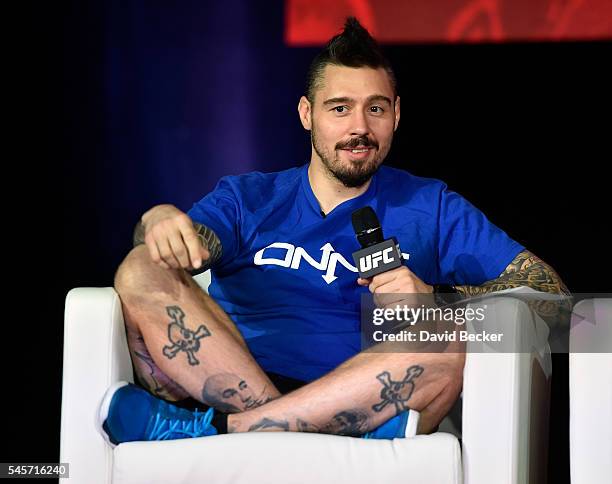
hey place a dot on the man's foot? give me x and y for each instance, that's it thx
(403, 425)
(128, 413)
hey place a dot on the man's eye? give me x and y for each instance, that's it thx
(376, 109)
(340, 109)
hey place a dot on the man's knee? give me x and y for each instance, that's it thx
(138, 274)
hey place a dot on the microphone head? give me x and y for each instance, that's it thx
(367, 227)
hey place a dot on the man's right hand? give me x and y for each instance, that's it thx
(171, 238)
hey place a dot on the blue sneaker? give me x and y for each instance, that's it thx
(128, 413)
(403, 425)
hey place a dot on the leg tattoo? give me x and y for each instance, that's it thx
(155, 388)
(268, 423)
(348, 422)
(303, 426)
(229, 393)
(149, 375)
(397, 392)
(181, 337)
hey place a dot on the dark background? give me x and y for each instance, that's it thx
(155, 103)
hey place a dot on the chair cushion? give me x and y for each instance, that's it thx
(270, 457)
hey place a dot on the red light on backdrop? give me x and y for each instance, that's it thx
(313, 22)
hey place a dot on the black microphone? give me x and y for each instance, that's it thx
(377, 255)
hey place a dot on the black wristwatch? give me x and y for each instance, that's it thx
(445, 294)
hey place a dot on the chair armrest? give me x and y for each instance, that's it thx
(95, 356)
(506, 398)
(590, 378)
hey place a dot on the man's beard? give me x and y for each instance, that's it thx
(357, 173)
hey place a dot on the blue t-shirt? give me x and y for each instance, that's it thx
(286, 275)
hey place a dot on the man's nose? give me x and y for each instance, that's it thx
(359, 124)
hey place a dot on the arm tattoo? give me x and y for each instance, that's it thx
(525, 270)
(529, 270)
(397, 392)
(229, 393)
(208, 239)
(183, 338)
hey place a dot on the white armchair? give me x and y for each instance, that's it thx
(499, 435)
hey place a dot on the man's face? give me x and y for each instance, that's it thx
(352, 121)
(237, 393)
(229, 393)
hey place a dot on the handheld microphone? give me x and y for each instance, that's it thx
(377, 255)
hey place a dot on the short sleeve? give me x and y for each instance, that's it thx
(220, 211)
(472, 250)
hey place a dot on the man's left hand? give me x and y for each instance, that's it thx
(394, 286)
(397, 281)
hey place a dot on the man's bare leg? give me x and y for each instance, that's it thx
(182, 343)
(363, 393)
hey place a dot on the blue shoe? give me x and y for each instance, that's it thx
(403, 425)
(128, 413)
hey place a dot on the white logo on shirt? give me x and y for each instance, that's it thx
(294, 256)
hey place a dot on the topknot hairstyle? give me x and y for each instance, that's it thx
(353, 47)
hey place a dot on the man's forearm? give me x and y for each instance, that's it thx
(208, 239)
(525, 270)
(529, 270)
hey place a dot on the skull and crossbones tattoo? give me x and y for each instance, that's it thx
(397, 392)
(183, 338)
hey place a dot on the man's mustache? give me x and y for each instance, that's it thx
(355, 142)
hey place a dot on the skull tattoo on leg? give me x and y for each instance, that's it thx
(182, 338)
(397, 392)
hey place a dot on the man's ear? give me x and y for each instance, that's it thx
(305, 112)
(397, 112)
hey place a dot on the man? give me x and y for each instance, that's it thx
(283, 310)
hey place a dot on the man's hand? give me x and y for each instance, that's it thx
(398, 282)
(172, 239)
